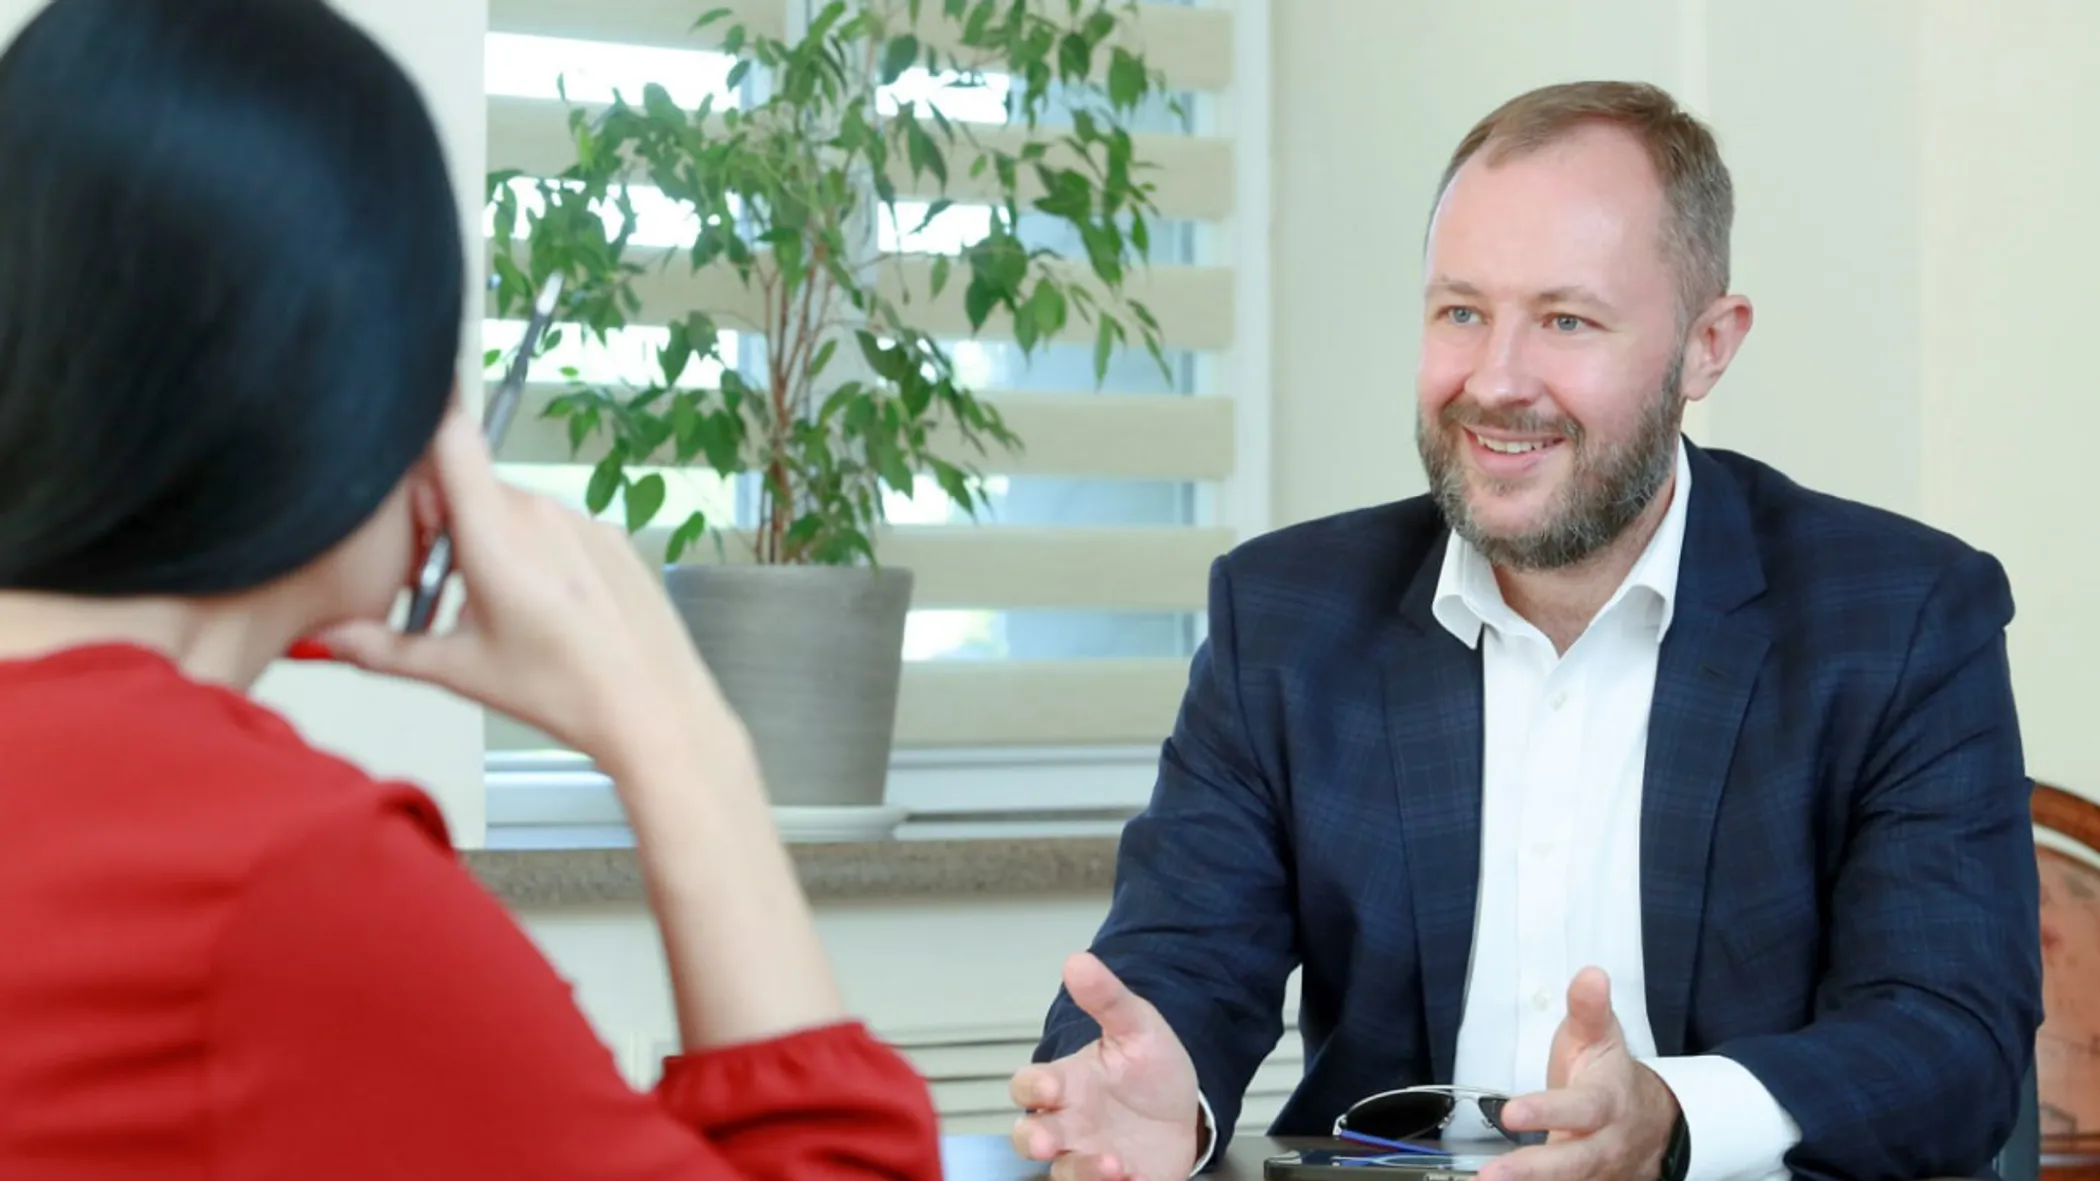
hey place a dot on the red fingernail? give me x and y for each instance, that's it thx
(308, 650)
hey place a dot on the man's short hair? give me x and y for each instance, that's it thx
(1695, 182)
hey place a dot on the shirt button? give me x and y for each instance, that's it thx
(1557, 700)
(1539, 1000)
(1543, 849)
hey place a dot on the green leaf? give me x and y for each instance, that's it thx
(888, 361)
(924, 154)
(1108, 333)
(722, 439)
(953, 482)
(676, 354)
(978, 300)
(898, 56)
(1075, 56)
(682, 538)
(1047, 307)
(605, 481)
(933, 210)
(803, 531)
(644, 497)
(823, 358)
(1027, 328)
(980, 23)
(889, 462)
(917, 395)
(941, 264)
(658, 103)
(1127, 81)
(704, 336)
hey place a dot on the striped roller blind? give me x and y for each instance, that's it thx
(1066, 615)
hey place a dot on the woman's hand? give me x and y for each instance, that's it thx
(565, 627)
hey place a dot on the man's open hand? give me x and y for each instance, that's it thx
(1605, 1115)
(1120, 1108)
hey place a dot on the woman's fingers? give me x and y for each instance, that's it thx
(375, 646)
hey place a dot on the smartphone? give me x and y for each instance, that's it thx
(495, 424)
(1330, 1164)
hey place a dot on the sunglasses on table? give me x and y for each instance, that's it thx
(1394, 1119)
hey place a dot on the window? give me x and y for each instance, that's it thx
(1050, 643)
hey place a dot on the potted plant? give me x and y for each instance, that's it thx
(794, 610)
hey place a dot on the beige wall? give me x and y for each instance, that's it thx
(1916, 185)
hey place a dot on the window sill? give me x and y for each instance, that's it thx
(544, 800)
(973, 868)
(977, 823)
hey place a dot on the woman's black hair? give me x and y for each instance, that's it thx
(231, 283)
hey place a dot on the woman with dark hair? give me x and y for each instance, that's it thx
(230, 298)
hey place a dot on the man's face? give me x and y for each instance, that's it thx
(1551, 377)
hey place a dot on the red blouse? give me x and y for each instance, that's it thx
(226, 955)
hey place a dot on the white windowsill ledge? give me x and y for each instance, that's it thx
(559, 800)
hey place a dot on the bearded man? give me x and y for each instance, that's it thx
(1677, 807)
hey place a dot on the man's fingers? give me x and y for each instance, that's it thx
(1120, 1012)
(1580, 1110)
(1036, 1137)
(1037, 1088)
(1075, 1166)
(1589, 1006)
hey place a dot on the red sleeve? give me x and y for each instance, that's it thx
(377, 1014)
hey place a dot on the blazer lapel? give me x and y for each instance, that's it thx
(1433, 726)
(1708, 666)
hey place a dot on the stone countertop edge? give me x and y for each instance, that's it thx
(533, 879)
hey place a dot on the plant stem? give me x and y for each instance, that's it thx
(778, 347)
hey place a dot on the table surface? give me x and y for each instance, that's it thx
(992, 1158)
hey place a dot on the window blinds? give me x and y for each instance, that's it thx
(1096, 545)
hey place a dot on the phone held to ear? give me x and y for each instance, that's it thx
(495, 424)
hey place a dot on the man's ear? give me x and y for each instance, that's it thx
(1715, 338)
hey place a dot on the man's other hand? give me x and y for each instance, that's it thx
(1122, 1107)
(1604, 1114)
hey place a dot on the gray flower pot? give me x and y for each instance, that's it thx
(809, 657)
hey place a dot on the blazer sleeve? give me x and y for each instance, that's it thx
(1925, 1021)
(377, 1014)
(1202, 923)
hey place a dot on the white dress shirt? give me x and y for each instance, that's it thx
(1563, 755)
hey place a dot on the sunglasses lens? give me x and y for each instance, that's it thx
(1491, 1110)
(1406, 1116)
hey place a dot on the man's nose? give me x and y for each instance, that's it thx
(1502, 374)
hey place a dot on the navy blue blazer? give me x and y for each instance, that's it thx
(1838, 883)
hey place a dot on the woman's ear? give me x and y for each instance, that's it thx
(426, 502)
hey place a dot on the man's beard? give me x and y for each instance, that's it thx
(1611, 485)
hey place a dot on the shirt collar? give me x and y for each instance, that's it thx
(1468, 597)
